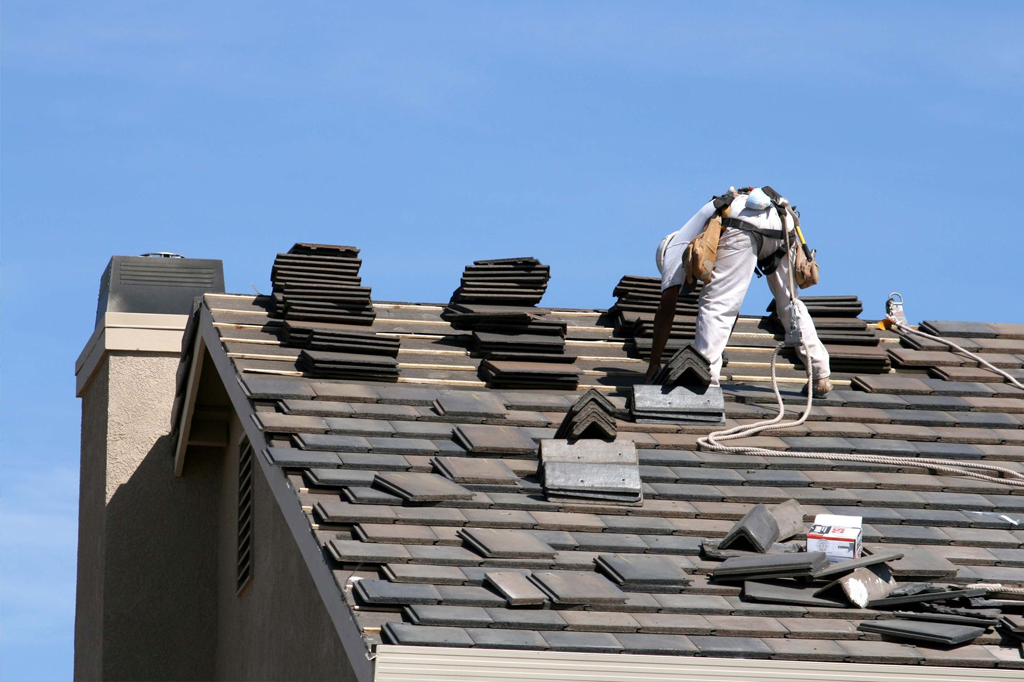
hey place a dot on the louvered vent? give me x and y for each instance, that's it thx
(161, 285)
(170, 273)
(245, 504)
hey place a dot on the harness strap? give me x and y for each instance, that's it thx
(770, 263)
(740, 224)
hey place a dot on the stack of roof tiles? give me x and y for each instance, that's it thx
(592, 416)
(637, 302)
(317, 291)
(600, 577)
(686, 367)
(505, 281)
(496, 302)
(320, 283)
(681, 393)
(590, 471)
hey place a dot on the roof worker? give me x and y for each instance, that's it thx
(749, 237)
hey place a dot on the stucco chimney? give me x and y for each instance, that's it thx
(138, 551)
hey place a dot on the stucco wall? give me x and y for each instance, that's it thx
(148, 559)
(91, 531)
(157, 553)
(278, 628)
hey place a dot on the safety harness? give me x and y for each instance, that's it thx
(770, 263)
(700, 256)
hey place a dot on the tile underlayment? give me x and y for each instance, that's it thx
(440, 564)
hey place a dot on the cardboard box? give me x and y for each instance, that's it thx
(839, 537)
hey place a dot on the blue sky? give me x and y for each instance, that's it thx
(432, 134)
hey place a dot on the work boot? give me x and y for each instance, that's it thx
(821, 387)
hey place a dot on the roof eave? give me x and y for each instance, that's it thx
(442, 664)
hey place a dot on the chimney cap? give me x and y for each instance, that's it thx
(162, 283)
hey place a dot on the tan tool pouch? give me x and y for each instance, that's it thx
(700, 254)
(805, 268)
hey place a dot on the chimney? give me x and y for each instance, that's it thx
(141, 546)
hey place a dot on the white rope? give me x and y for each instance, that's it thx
(987, 365)
(713, 441)
(996, 587)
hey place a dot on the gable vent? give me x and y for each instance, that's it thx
(245, 504)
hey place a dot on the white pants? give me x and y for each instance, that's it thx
(720, 300)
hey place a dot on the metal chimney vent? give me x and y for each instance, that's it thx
(147, 284)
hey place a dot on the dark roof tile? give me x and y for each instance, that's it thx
(516, 588)
(746, 626)
(599, 621)
(276, 389)
(503, 440)
(332, 443)
(397, 533)
(805, 650)
(525, 619)
(496, 638)
(290, 457)
(417, 635)
(420, 573)
(442, 555)
(638, 525)
(880, 652)
(672, 544)
(452, 616)
(347, 392)
(340, 511)
(578, 588)
(358, 552)
(506, 543)
(731, 647)
(384, 411)
(596, 642)
(469, 595)
(499, 518)
(813, 628)
(659, 645)
(414, 487)
(351, 426)
(609, 542)
(358, 495)
(378, 592)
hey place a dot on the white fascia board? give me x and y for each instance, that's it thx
(130, 332)
(444, 664)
